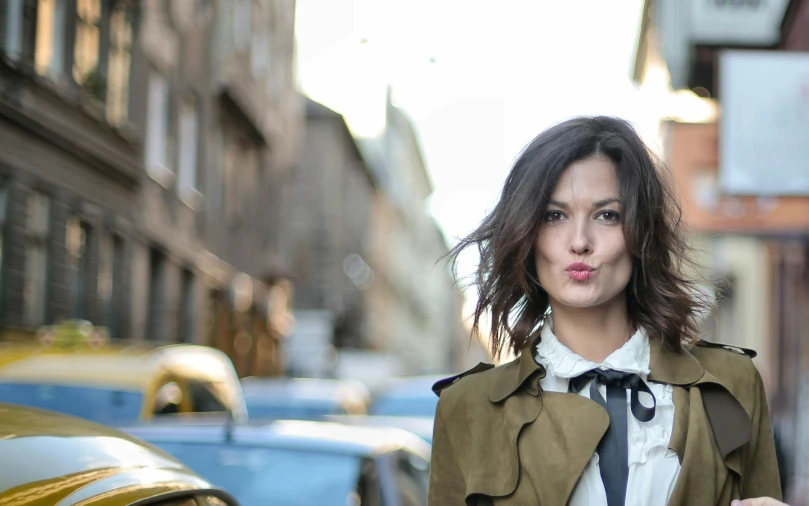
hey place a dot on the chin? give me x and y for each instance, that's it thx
(579, 302)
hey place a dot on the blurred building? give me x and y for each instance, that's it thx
(371, 298)
(415, 305)
(219, 118)
(327, 210)
(735, 142)
(69, 163)
(141, 148)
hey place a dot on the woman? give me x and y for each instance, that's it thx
(613, 398)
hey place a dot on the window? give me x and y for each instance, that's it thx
(156, 267)
(3, 214)
(11, 26)
(49, 55)
(242, 24)
(412, 477)
(207, 397)
(369, 486)
(260, 53)
(87, 46)
(157, 145)
(36, 262)
(168, 399)
(248, 178)
(189, 146)
(110, 276)
(230, 165)
(78, 237)
(186, 307)
(119, 65)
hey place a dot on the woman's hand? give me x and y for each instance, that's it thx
(759, 501)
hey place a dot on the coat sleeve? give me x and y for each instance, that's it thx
(447, 487)
(761, 477)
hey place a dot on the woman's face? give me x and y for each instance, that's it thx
(580, 252)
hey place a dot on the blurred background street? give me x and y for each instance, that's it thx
(241, 207)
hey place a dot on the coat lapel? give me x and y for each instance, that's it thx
(557, 448)
(553, 435)
(709, 423)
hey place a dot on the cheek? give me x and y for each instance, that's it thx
(543, 251)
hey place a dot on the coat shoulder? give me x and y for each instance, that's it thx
(732, 366)
(702, 343)
(445, 383)
(725, 361)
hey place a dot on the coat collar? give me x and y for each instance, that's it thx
(517, 374)
(666, 365)
(574, 425)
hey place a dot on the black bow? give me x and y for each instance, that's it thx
(613, 447)
(611, 377)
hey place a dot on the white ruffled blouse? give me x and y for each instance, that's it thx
(653, 468)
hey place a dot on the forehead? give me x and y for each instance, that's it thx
(589, 179)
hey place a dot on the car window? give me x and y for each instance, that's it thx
(369, 487)
(412, 475)
(210, 500)
(185, 501)
(199, 500)
(282, 477)
(104, 405)
(207, 397)
(168, 399)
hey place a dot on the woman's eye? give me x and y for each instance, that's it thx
(553, 216)
(608, 216)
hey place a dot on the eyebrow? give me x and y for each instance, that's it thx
(596, 204)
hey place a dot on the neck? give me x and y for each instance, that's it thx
(593, 333)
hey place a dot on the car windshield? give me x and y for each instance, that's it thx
(282, 477)
(419, 406)
(101, 405)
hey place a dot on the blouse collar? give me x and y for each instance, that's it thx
(560, 361)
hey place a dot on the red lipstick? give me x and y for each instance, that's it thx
(580, 271)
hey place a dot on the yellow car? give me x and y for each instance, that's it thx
(49, 459)
(78, 372)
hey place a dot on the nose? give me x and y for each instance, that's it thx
(580, 242)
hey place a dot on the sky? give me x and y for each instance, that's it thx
(479, 78)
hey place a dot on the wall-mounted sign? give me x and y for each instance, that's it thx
(737, 22)
(764, 125)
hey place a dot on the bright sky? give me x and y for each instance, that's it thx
(479, 78)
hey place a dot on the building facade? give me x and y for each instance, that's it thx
(219, 123)
(70, 163)
(142, 147)
(756, 243)
(371, 297)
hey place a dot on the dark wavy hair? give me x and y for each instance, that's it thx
(661, 296)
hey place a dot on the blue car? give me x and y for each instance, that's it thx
(303, 398)
(302, 463)
(406, 396)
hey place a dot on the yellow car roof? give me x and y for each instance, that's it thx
(122, 368)
(59, 459)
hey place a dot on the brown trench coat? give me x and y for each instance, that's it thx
(499, 441)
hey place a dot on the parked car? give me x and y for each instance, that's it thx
(420, 426)
(302, 463)
(303, 398)
(79, 373)
(406, 396)
(48, 458)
